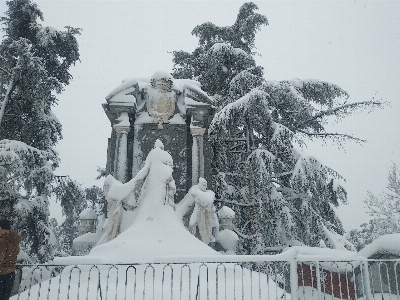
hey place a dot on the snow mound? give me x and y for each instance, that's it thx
(389, 244)
(158, 75)
(226, 212)
(89, 237)
(88, 214)
(160, 235)
(227, 239)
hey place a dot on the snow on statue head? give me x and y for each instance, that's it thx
(161, 80)
(159, 144)
(159, 154)
(107, 184)
(202, 184)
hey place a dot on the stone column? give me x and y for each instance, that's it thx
(121, 153)
(197, 154)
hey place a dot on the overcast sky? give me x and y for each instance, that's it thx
(355, 44)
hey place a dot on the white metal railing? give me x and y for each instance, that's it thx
(224, 277)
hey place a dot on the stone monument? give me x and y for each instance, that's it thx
(175, 111)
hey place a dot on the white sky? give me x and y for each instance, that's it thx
(354, 44)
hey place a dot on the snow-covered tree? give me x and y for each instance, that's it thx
(73, 202)
(384, 210)
(94, 195)
(280, 194)
(363, 236)
(34, 68)
(223, 53)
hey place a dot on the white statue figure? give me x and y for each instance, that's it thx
(111, 226)
(198, 213)
(159, 184)
(155, 160)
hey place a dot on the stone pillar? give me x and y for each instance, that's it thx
(121, 153)
(197, 153)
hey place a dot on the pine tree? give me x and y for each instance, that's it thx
(280, 195)
(34, 67)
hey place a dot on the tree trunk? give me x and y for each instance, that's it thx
(6, 99)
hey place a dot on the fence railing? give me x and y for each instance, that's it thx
(233, 277)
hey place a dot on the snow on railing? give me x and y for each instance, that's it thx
(233, 277)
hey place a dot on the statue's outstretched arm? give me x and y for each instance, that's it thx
(141, 175)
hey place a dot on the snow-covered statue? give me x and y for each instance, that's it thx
(153, 229)
(158, 189)
(160, 161)
(111, 226)
(197, 212)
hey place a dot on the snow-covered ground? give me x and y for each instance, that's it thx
(157, 281)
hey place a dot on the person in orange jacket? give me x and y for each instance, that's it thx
(9, 249)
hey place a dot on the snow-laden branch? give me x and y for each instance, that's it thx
(243, 236)
(238, 203)
(331, 135)
(343, 108)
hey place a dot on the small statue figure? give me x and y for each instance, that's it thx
(114, 212)
(198, 213)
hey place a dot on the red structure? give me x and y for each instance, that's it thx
(339, 285)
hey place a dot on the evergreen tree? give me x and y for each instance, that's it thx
(280, 194)
(95, 196)
(73, 202)
(34, 68)
(223, 54)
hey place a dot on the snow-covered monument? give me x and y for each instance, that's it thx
(176, 111)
